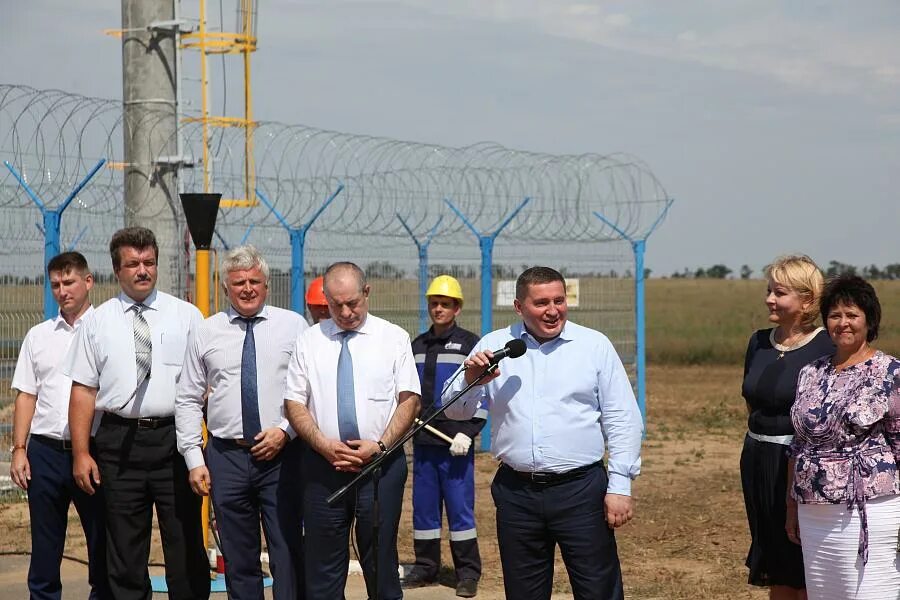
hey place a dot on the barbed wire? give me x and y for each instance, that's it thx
(54, 137)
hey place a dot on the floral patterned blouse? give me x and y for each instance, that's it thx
(847, 441)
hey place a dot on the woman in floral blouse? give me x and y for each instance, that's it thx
(845, 454)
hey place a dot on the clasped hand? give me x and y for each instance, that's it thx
(351, 456)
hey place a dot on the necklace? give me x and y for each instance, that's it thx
(783, 348)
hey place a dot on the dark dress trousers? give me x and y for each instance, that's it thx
(50, 491)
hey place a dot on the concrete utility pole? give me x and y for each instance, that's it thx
(149, 88)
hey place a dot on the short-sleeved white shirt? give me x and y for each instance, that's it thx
(213, 360)
(102, 354)
(39, 372)
(383, 366)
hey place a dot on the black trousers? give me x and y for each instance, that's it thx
(50, 491)
(532, 519)
(328, 528)
(139, 469)
(245, 490)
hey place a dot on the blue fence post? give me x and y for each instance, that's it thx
(422, 247)
(640, 343)
(423, 287)
(298, 241)
(638, 248)
(52, 224)
(486, 244)
(298, 280)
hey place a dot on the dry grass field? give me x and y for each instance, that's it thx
(708, 321)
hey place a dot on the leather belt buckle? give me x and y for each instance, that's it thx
(542, 478)
(242, 443)
(60, 445)
(146, 423)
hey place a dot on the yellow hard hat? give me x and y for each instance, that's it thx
(444, 285)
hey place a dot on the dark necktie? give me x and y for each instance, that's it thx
(249, 392)
(348, 427)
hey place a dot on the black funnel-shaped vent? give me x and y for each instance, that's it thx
(200, 210)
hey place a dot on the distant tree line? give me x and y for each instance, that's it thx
(834, 268)
(382, 269)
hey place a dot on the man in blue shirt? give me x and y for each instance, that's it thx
(554, 413)
(444, 472)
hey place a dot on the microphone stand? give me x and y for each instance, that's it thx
(374, 467)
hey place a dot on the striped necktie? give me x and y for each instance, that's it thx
(143, 347)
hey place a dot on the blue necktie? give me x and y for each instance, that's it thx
(249, 393)
(348, 427)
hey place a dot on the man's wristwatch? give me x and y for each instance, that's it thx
(382, 446)
(15, 447)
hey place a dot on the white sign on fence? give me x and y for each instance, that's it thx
(506, 292)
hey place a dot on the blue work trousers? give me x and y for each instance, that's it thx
(443, 480)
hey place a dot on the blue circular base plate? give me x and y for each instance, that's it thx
(158, 582)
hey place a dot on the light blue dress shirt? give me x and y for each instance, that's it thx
(560, 406)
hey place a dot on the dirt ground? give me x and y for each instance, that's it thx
(688, 540)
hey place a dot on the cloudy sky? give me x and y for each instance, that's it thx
(774, 125)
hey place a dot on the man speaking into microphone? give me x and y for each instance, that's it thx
(554, 412)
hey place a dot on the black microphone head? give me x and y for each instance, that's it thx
(515, 348)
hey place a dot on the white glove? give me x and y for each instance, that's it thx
(461, 444)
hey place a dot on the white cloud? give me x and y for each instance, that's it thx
(578, 10)
(618, 20)
(887, 73)
(823, 49)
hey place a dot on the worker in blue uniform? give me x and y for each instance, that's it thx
(443, 459)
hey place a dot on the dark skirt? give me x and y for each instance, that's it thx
(773, 559)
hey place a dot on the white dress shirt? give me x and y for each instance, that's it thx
(560, 406)
(39, 372)
(213, 360)
(102, 354)
(383, 366)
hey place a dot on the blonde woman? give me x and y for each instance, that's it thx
(771, 367)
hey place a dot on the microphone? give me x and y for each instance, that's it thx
(512, 349)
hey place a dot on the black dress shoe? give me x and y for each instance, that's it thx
(466, 588)
(416, 580)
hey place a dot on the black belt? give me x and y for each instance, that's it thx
(50, 442)
(235, 443)
(544, 477)
(140, 422)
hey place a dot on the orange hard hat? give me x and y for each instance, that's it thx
(315, 293)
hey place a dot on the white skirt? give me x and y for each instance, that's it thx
(830, 537)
